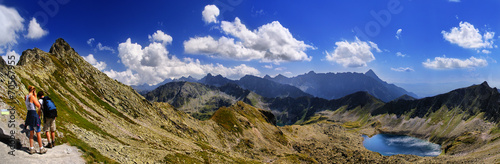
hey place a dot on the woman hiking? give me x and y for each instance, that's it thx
(33, 119)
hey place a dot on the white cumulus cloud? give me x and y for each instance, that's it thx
(210, 14)
(35, 31)
(353, 54)
(100, 65)
(153, 64)
(223, 47)
(398, 33)
(159, 36)
(467, 36)
(268, 43)
(11, 53)
(453, 63)
(403, 69)
(11, 23)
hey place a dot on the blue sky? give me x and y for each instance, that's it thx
(441, 44)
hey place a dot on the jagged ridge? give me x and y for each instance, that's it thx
(337, 85)
(471, 100)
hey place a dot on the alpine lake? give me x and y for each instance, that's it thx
(389, 144)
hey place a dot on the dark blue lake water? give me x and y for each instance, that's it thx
(388, 144)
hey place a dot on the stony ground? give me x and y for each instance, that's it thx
(59, 154)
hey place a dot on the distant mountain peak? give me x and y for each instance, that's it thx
(485, 84)
(217, 81)
(188, 79)
(267, 77)
(372, 74)
(311, 73)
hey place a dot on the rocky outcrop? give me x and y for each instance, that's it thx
(62, 49)
(2, 63)
(3, 66)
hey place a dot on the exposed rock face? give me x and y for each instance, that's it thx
(35, 57)
(62, 49)
(3, 65)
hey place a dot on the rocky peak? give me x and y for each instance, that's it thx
(217, 81)
(61, 48)
(280, 76)
(481, 89)
(485, 84)
(372, 74)
(65, 58)
(34, 55)
(188, 79)
(267, 77)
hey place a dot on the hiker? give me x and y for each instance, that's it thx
(33, 119)
(49, 118)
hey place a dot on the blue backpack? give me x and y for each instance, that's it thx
(49, 108)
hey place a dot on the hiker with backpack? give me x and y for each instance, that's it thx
(49, 118)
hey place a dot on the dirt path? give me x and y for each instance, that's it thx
(59, 154)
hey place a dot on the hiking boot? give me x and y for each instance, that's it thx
(31, 151)
(49, 145)
(42, 151)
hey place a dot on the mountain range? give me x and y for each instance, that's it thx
(337, 85)
(323, 85)
(111, 123)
